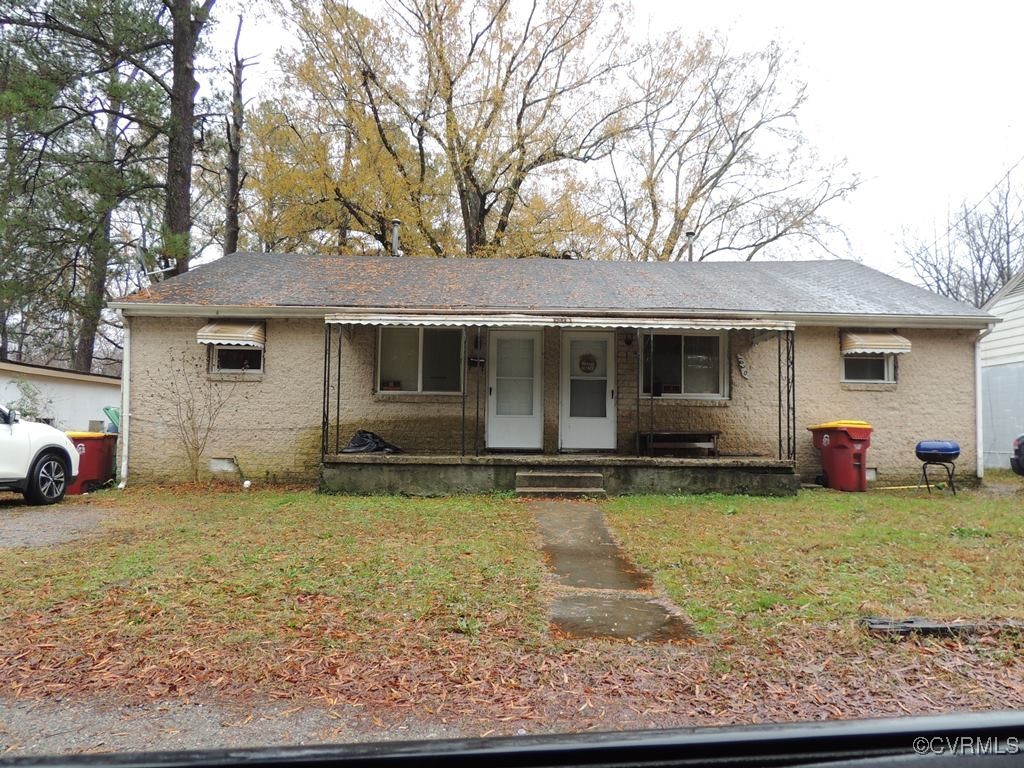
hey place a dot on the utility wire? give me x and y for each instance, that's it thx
(975, 207)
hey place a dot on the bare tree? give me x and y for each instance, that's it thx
(193, 406)
(490, 92)
(232, 168)
(982, 248)
(473, 120)
(717, 152)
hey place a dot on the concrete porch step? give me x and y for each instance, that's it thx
(554, 478)
(561, 493)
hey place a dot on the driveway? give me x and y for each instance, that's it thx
(22, 525)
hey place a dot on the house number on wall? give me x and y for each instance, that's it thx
(588, 363)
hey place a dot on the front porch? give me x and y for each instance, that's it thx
(430, 475)
(589, 402)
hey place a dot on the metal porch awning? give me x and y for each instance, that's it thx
(873, 343)
(784, 332)
(553, 321)
(236, 334)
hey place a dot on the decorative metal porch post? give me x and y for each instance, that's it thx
(791, 389)
(639, 386)
(326, 420)
(778, 365)
(650, 370)
(465, 383)
(337, 399)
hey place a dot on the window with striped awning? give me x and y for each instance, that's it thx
(873, 343)
(244, 333)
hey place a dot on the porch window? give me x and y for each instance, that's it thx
(691, 366)
(419, 360)
(869, 368)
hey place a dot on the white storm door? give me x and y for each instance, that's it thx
(587, 413)
(515, 403)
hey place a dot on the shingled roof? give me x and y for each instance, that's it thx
(791, 288)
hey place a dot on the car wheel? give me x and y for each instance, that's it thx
(48, 481)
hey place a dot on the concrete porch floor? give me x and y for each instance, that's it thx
(430, 475)
(560, 460)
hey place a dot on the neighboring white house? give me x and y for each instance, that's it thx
(1002, 374)
(68, 400)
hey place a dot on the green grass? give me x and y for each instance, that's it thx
(737, 563)
(235, 570)
(436, 606)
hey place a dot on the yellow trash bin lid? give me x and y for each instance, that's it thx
(842, 423)
(85, 435)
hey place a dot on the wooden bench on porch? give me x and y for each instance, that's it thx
(670, 441)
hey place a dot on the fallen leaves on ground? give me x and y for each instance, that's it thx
(427, 610)
(811, 673)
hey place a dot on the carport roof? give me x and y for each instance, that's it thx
(246, 282)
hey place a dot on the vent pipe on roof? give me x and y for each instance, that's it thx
(689, 244)
(396, 224)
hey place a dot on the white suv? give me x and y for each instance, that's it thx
(35, 459)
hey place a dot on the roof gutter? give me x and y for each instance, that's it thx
(126, 400)
(979, 415)
(143, 309)
(46, 372)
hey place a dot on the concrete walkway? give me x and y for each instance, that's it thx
(599, 591)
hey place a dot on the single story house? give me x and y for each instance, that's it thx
(1002, 374)
(540, 372)
(68, 400)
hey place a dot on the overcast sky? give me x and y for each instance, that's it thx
(922, 99)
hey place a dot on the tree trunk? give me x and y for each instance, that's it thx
(344, 217)
(233, 165)
(4, 339)
(91, 310)
(186, 27)
(22, 335)
(90, 313)
(473, 221)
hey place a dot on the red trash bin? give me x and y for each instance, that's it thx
(844, 452)
(97, 454)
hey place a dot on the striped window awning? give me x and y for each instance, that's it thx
(873, 343)
(244, 333)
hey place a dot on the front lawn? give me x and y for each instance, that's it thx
(267, 589)
(434, 609)
(738, 562)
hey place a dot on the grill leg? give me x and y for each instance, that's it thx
(949, 466)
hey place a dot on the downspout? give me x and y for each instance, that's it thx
(978, 412)
(126, 389)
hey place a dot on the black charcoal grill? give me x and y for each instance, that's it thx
(941, 453)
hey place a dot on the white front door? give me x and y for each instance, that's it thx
(515, 403)
(587, 414)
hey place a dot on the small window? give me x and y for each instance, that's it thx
(685, 365)
(419, 360)
(237, 360)
(869, 368)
